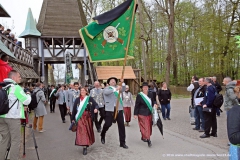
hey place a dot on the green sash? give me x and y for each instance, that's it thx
(116, 94)
(52, 93)
(147, 100)
(81, 108)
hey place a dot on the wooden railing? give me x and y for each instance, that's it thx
(23, 56)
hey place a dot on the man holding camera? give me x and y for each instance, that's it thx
(10, 122)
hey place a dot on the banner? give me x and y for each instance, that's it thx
(107, 37)
(68, 71)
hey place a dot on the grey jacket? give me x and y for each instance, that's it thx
(110, 99)
(230, 99)
(127, 99)
(72, 94)
(40, 110)
(97, 95)
(61, 95)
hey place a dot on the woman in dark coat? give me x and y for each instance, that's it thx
(143, 111)
(164, 97)
(83, 114)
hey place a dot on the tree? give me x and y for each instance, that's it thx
(59, 72)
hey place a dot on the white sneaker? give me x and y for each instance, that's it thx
(42, 131)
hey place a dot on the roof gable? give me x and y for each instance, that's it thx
(62, 18)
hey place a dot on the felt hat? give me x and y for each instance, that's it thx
(112, 78)
(144, 84)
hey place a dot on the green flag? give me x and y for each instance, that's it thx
(111, 35)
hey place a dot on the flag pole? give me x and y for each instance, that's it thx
(125, 58)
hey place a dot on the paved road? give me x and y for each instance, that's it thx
(180, 141)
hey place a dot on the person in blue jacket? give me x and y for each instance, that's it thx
(210, 114)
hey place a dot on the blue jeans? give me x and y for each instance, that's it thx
(164, 107)
(198, 116)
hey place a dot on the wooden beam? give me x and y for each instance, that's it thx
(53, 47)
(79, 48)
(47, 48)
(74, 48)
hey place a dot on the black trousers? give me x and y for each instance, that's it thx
(120, 121)
(63, 109)
(210, 121)
(52, 105)
(102, 117)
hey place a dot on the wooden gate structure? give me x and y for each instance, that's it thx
(54, 35)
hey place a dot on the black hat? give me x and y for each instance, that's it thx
(144, 84)
(112, 78)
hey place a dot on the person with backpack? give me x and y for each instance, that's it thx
(40, 109)
(209, 110)
(10, 122)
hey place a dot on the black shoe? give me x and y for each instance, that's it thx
(214, 135)
(193, 123)
(205, 136)
(168, 118)
(99, 130)
(149, 143)
(50, 111)
(144, 140)
(201, 130)
(84, 151)
(164, 118)
(64, 121)
(196, 129)
(124, 146)
(103, 140)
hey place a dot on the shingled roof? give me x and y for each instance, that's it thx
(61, 18)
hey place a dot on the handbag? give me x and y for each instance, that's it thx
(73, 127)
(207, 109)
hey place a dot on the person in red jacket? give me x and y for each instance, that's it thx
(4, 67)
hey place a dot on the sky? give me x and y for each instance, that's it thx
(18, 10)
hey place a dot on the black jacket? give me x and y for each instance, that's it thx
(90, 107)
(164, 95)
(53, 97)
(141, 107)
(201, 92)
(233, 125)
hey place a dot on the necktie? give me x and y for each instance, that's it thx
(63, 97)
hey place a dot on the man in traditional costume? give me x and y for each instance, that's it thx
(72, 95)
(110, 94)
(83, 115)
(97, 94)
(143, 111)
(52, 99)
